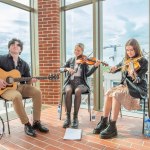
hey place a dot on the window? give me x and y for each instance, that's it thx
(79, 29)
(72, 1)
(15, 24)
(122, 22)
(25, 2)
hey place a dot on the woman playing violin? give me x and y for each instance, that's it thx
(133, 87)
(76, 82)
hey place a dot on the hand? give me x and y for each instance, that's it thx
(33, 80)
(97, 63)
(3, 83)
(137, 80)
(130, 73)
(113, 69)
(70, 70)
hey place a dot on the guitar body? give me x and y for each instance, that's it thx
(10, 74)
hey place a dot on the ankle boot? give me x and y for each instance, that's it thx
(101, 125)
(75, 121)
(110, 131)
(67, 122)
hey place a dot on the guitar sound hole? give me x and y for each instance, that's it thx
(9, 80)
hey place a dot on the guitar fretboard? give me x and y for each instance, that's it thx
(28, 78)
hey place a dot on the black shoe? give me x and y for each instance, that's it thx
(101, 125)
(38, 126)
(75, 123)
(67, 122)
(29, 130)
(110, 131)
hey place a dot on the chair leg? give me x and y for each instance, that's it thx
(61, 105)
(143, 116)
(7, 117)
(89, 105)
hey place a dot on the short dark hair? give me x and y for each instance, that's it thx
(12, 41)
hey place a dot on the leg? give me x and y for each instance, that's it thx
(68, 104)
(68, 98)
(115, 109)
(16, 98)
(29, 91)
(107, 106)
(33, 92)
(104, 119)
(111, 130)
(77, 101)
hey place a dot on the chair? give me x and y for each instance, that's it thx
(2, 127)
(24, 98)
(89, 105)
(144, 101)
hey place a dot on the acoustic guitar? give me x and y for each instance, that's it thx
(13, 77)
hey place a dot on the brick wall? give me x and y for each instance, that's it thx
(49, 48)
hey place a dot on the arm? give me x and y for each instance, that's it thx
(65, 66)
(115, 69)
(89, 72)
(140, 74)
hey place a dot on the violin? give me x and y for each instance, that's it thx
(88, 60)
(135, 62)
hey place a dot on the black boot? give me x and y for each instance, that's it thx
(101, 125)
(75, 121)
(67, 122)
(110, 131)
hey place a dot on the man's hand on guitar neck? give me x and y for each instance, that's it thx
(3, 83)
(33, 80)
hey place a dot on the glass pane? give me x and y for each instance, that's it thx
(79, 29)
(72, 1)
(25, 2)
(121, 23)
(79, 25)
(14, 24)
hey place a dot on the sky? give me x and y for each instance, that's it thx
(122, 20)
(14, 23)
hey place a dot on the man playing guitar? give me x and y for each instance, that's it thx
(8, 63)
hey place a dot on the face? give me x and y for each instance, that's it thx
(78, 51)
(15, 48)
(130, 51)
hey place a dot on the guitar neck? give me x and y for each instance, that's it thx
(28, 78)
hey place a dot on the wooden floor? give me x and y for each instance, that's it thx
(129, 135)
